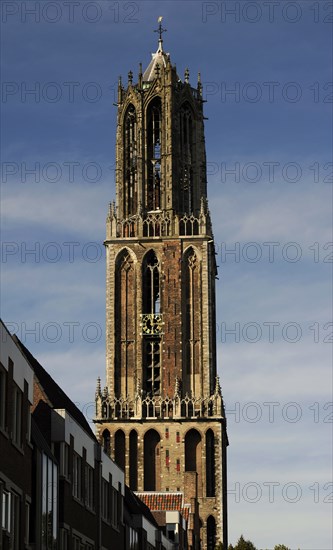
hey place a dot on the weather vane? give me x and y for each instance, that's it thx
(160, 30)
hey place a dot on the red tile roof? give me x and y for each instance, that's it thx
(165, 502)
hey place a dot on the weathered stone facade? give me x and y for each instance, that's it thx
(161, 413)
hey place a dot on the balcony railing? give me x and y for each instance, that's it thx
(158, 224)
(110, 408)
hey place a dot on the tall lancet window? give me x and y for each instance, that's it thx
(186, 128)
(151, 324)
(192, 322)
(125, 325)
(130, 162)
(154, 119)
(151, 284)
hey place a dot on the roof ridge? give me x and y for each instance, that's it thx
(54, 392)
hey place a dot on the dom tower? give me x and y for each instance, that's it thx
(161, 414)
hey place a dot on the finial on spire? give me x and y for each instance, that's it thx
(217, 386)
(140, 76)
(177, 387)
(187, 76)
(160, 29)
(120, 90)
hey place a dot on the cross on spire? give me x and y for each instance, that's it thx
(160, 29)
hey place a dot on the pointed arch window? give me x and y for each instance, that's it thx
(106, 442)
(130, 162)
(125, 324)
(193, 455)
(192, 451)
(210, 464)
(133, 460)
(151, 321)
(192, 322)
(151, 318)
(154, 133)
(186, 127)
(211, 533)
(120, 449)
(152, 461)
(151, 284)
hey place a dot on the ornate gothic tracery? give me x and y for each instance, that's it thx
(192, 322)
(154, 144)
(130, 162)
(125, 324)
(187, 158)
(151, 323)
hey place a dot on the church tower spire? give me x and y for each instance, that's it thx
(162, 414)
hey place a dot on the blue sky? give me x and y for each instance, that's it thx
(269, 154)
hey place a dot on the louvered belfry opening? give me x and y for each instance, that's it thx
(151, 305)
(125, 324)
(130, 162)
(154, 147)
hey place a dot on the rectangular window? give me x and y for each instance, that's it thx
(49, 503)
(55, 501)
(64, 460)
(27, 521)
(28, 425)
(17, 416)
(114, 507)
(3, 398)
(6, 510)
(120, 505)
(44, 499)
(134, 539)
(63, 539)
(89, 487)
(105, 501)
(15, 521)
(76, 481)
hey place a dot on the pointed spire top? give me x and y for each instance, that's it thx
(138, 386)
(199, 87)
(177, 387)
(217, 386)
(112, 209)
(160, 57)
(160, 31)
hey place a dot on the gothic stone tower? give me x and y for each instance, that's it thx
(161, 413)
